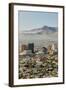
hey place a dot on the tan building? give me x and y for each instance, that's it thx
(23, 47)
(52, 48)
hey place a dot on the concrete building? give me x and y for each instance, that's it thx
(52, 48)
(26, 52)
(23, 47)
(31, 47)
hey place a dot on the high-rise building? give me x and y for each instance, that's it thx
(23, 47)
(31, 47)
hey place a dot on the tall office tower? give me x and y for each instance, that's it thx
(31, 47)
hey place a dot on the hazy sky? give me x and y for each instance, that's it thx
(32, 19)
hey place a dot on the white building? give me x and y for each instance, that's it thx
(26, 52)
(54, 47)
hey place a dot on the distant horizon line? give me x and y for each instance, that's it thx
(40, 27)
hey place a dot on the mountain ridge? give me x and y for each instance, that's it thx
(44, 29)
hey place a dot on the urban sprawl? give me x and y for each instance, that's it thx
(40, 62)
